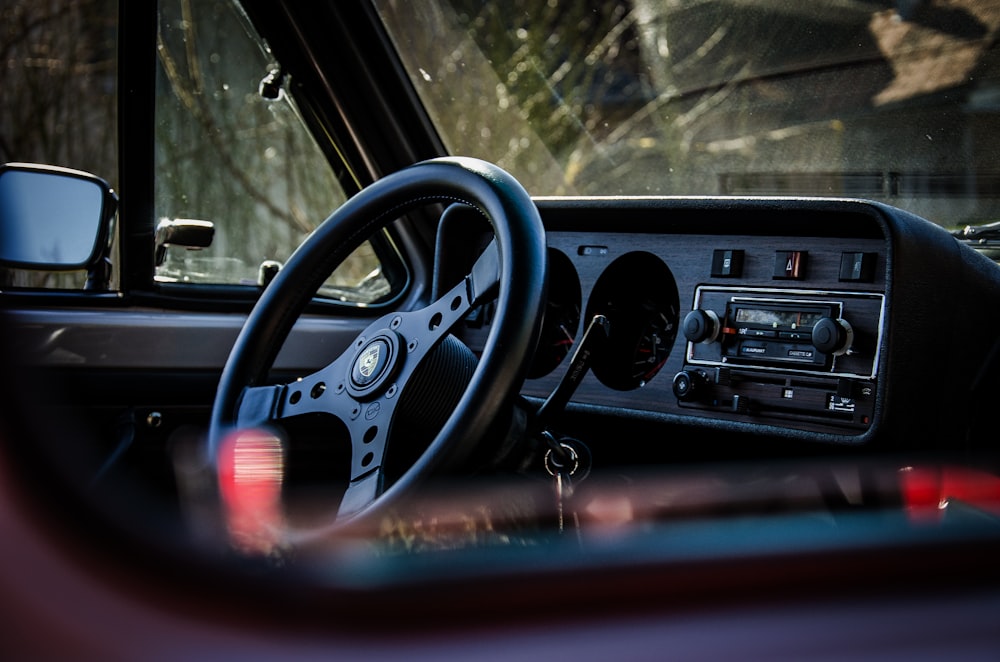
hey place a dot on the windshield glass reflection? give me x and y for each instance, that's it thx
(882, 100)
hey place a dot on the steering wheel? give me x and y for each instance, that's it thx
(364, 386)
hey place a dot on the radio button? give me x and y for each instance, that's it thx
(741, 404)
(758, 333)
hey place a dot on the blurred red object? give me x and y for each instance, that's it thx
(928, 492)
(251, 471)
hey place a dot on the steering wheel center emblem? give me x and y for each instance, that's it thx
(368, 360)
(374, 364)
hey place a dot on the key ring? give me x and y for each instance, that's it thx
(553, 466)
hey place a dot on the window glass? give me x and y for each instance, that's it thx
(60, 98)
(233, 151)
(893, 101)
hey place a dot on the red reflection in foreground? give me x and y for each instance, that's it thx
(928, 491)
(251, 470)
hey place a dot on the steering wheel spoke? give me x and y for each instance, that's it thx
(361, 492)
(369, 433)
(257, 405)
(423, 329)
(320, 392)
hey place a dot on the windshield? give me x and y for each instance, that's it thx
(885, 100)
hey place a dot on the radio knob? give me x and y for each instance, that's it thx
(701, 326)
(832, 336)
(690, 384)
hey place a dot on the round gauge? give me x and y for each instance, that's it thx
(655, 340)
(562, 316)
(638, 295)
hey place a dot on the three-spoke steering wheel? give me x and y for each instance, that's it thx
(363, 387)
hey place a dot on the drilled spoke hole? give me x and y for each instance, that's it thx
(367, 459)
(436, 321)
(370, 434)
(296, 396)
(317, 390)
(456, 302)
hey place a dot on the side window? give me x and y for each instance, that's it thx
(232, 151)
(60, 98)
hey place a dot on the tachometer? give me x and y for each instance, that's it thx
(562, 316)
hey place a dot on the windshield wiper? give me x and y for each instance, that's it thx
(979, 233)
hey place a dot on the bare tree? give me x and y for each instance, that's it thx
(60, 102)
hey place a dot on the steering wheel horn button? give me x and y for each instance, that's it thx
(374, 361)
(370, 363)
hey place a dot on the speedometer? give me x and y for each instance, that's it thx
(655, 341)
(638, 295)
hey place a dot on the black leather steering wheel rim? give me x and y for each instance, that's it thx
(515, 270)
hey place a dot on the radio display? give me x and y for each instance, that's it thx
(777, 318)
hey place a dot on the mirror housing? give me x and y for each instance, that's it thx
(55, 219)
(187, 232)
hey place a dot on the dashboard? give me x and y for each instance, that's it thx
(842, 322)
(828, 320)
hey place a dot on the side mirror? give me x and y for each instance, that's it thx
(54, 219)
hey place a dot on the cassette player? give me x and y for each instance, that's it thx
(775, 329)
(763, 330)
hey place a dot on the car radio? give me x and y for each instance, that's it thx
(783, 333)
(813, 331)
(783, 352)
